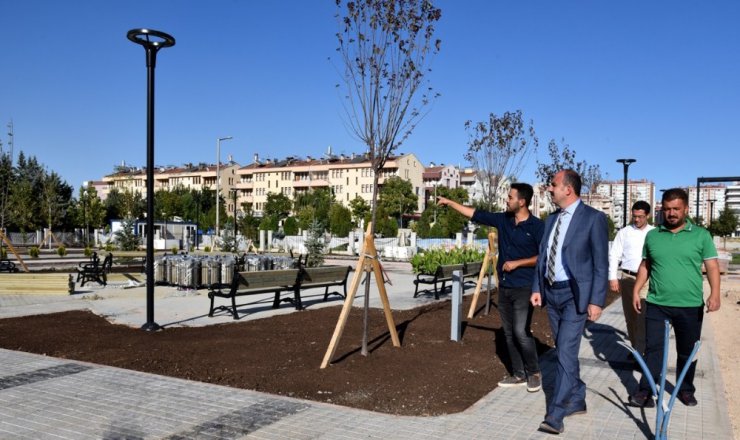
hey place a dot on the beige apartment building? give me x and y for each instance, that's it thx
(347, 177)
(188, 176)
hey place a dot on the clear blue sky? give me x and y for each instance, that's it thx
(657, 81)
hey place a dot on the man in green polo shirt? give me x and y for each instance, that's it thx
(672, 256)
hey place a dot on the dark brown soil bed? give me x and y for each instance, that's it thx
(427, 375)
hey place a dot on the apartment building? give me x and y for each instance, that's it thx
(710, 202)
(188, 176)
(642, 189)
(447, 176)
(346, 176)
(732, 202)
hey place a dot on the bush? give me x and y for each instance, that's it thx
(426, 262)
(207, 249)
(109, 247)
(61, 251)
(88, 251)
(3, 253)
(175, 250)
(33, 251)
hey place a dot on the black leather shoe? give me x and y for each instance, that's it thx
(548, 428)
(641, 399)
(687, 398)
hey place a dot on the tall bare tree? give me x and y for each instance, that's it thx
(498, 149)
(566, 159)
(385, 47)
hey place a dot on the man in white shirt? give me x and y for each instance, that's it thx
(627, 250)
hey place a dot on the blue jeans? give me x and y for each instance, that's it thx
(686, 323)
(567, 326)
(516, 318)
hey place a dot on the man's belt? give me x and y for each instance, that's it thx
(629, 272)
(559, 284)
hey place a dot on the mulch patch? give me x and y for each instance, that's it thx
(428, 375)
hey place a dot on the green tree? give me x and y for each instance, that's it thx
(278, 206)
(126, 237)
(498, 149)
(397, 198)
(320, 199)
(7, 181)
(340, 220)
(290, 226)
(360, 209)
(249, 224)
(56, 195)
(305, 217)
(90, 211)
(23, 206)
(315, 245)
(269, 223)
(448, 221)
(724, 225)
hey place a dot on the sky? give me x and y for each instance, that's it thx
(657, 81)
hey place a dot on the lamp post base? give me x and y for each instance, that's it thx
(151, 327)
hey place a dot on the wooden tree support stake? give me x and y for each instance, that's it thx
(491, 258)
(14, 251)
(368, 263)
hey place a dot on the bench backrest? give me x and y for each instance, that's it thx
(446, 270)
(325, 274)
(473, 268)
(267, 278)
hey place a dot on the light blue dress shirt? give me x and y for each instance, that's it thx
(567, 214)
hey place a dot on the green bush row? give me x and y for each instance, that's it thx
(427, 262)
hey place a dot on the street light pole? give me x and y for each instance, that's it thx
(152, 41)
(626, 163)
(218, 177)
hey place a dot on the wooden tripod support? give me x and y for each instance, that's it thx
(368, 263)
(491, 258)
(13, 250)
(48, 237)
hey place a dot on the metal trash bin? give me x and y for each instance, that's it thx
(227, 269)
(210, 271)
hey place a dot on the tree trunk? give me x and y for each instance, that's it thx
(366, 302)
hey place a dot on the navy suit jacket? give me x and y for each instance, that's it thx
(585, 257)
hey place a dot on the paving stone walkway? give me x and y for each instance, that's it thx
(49, 398)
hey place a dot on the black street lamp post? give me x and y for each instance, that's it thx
(152, 41)
(626, 163)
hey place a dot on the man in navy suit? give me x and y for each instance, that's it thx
(571, 279)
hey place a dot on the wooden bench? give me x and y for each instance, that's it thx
(443, 274)
(251, 283)
(37, 283)
(325, 276)
(128, 261)
(95, 270)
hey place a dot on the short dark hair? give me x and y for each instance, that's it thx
(641, 205)
(524, 191)
(572, 179)
(675, 193)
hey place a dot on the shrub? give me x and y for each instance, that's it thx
(88, 251)
(207, 249)
(174, 250)
(3, 253)
(109, 247)
(61, 251)
(33, 251)
(426, 262)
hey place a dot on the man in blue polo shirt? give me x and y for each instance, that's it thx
(519, 236)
